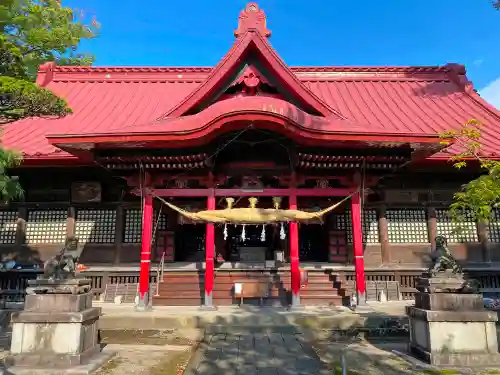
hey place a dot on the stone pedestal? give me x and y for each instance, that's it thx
(449, 325)
(57, 328)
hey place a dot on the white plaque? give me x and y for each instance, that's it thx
(237, 288)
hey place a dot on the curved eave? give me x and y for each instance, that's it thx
(93, 141)
(423, 146)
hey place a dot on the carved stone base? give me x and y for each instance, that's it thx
(65, 303)
(64, 286)
(58, 327)
(59, 339)
(450, 338)
(449, 301)
(89, 367)
(442, 282)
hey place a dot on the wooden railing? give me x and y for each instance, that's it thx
(13, 283)
(17, 281)
(406, 279)
(102, 278)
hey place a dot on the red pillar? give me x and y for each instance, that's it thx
(209, 256)
(357, 236)
(147, 237)
(294, 256)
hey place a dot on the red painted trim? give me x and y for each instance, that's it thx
(357, 236)
(238, 121)
(54, 162)
(210, 249)
(294, 249)
(147, 236)
(303, 192)
(251, 165)
(181, 192)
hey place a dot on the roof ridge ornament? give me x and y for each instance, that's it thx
(252, 18)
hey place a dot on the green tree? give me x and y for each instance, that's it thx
(33, 32)
(480, 196)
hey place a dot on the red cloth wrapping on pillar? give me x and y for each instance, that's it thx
(209, 250)
(147, 236)
(357, 239)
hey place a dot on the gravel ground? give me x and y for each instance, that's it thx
(146, 360)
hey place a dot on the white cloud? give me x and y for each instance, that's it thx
(491, 93)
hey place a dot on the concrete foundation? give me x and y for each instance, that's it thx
(452, 329)
(55, 330)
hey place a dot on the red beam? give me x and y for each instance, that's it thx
(181, 192)
(300, 192)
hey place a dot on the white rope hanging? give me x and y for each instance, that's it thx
(225, 231)
(263, 233)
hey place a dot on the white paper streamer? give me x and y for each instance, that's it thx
(282, 232)
(243, 234)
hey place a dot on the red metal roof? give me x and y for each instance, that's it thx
(382, 100)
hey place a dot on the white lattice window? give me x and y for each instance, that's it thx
(494, 227)
(369, 222)
(133, 225)
(407, 225)
(95, 226)
(8, 227)
(465, 231)
(46, 226)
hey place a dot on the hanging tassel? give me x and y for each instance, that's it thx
(243, 234)
(282, 232)
(263, 234)
(225, 232)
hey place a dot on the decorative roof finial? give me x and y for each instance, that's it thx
(252, 18)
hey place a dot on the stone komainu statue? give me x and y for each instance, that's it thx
(63, 264)
(442, 258)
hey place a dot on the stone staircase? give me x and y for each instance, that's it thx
(187, 288)
(180, 289)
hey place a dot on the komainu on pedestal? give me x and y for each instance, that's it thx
(57, 328)
(449, 325)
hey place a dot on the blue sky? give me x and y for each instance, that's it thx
(314, 32)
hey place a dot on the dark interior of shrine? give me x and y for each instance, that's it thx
(252, 243)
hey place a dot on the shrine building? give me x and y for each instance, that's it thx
(251, 126)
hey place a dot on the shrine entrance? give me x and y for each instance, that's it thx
(254, 238)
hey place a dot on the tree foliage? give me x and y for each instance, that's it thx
(480, 196)
(44, 30)
(19, 97)
(33, 32)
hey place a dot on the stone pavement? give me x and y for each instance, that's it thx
(171, 317)
(252, 354)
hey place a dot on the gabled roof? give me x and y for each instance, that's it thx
(251, 40)
(387, 100)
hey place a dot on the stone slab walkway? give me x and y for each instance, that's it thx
(252, 354)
